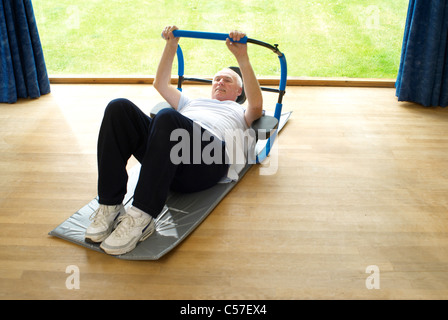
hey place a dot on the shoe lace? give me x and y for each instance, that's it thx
(98, 217)
(125, 223)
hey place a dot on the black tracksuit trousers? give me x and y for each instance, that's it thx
(126, 130)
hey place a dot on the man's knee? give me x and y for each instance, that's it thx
(117, 106)
(167, 118)
(167, 113)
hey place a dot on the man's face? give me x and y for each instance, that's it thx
(225, 86)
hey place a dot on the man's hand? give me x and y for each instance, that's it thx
(238, 49)
(167, 34)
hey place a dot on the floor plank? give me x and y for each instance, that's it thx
(355, 179)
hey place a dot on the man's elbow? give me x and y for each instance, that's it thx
(161, 84)
(258, 112)
(258, 109)
(157, 84)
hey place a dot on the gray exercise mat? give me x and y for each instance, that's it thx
(182, 213)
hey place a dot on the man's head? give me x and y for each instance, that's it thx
(227, 85)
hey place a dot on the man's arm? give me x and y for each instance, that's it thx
(162, 82)
(251, 85)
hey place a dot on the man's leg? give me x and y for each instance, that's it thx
(157, 174)
(123, 133)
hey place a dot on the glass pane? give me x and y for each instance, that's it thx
(327, 38)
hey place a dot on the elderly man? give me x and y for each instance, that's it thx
(127, 131)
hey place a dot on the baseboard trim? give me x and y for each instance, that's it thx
(292, 81)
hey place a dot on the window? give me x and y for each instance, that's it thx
(326, 38)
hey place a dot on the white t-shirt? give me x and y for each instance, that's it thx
(225, 120)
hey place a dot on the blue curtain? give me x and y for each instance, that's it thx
(423, 73)
(23, 70)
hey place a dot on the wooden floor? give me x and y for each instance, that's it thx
(357, 179)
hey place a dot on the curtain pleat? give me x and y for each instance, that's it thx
(423, 73)
(23, 69)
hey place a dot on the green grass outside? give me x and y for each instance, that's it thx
(326, 38)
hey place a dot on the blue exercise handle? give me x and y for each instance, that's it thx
(205, 35)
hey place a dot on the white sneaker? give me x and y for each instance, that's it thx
(104, 220)
(132, 228)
